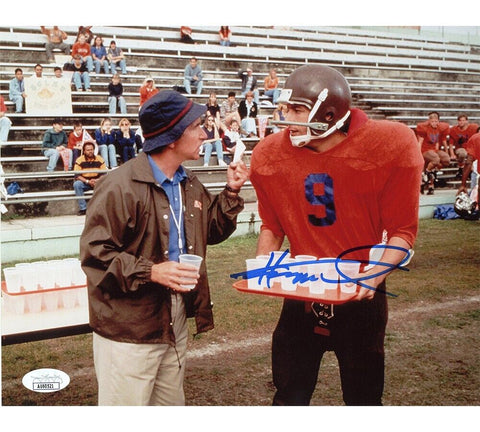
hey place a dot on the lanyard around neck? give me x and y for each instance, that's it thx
(178, 222)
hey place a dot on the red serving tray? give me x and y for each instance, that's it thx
(331, 296)
(4, 289)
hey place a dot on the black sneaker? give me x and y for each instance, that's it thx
(81, 212)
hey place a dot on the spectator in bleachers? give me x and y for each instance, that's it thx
(38, 71)
(57, 71)
(76, 139)
(249, 83)
(115, 96)
(80, 73)
(5, 122)
(229, 111)
(186, 35)
(248, 110)
(16, 90)
(99, 56)
(86, 32)
(86, 180)
(125, 140)
(54, 145)
(225, 34)
(55, 40)
(279, 114)
(231, 138)
(213, 108)
(271, 86)
(116, 58)
(432, 136)
(105, 139)
(83, 49)
(147, 90)
(213, 139)
(458, 136)
(193, 77)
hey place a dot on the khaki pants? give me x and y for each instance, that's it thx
(143, 374)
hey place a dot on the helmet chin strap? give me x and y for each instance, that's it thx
(303, 140)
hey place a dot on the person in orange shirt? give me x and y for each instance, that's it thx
(271, 86)
(82, 48)
(432, 136)
(147, 90)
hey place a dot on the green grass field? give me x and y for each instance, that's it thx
(432, 344)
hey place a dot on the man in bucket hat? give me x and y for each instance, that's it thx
(141, 218)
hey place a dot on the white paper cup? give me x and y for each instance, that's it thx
(34, 302)
(277, 255)
(41, 271)
(253, 264)
(318, 286)
(304, 268)
(50, 300)
(13, 279)
(348, 269)
(194, 260)
(287, 283)
(29, 278)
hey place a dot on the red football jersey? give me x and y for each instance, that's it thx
(431, 136)
(473, 146)
(326, 203)
(459, 137)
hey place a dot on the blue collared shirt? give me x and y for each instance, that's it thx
(172, 189)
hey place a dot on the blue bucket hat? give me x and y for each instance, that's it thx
(165, 116)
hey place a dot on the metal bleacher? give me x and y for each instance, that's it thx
(392, 76)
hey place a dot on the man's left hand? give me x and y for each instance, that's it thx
(237, 174)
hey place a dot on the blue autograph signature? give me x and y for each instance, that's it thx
(281, 269)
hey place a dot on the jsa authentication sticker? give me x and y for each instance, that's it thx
(45, 380)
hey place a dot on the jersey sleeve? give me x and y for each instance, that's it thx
(399, 200)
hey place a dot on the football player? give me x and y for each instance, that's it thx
(332, 181)
(458, 136)
(472, 148)
(432, 136)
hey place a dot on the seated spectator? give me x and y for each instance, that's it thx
(38, 71)
(116, 58)
(57, 71)
(231, 138)
(80, 73)
(55, 40)
(5, 122)
(125, 140)
(249, 83)
(248, 110)
(99, 56)
(54, 145)
(186, 35)
(76, 139)
(83, 49)
(458, 136)
(16, 90)
(213, 108)
(147, 90)
(279, 114)
(105, 139)
(115, 96)
(229, 111)
(193, 77)
(271, 86)
(85, 181)
(213, 139)
(225, 34)
(86, 32)
(432, 135)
